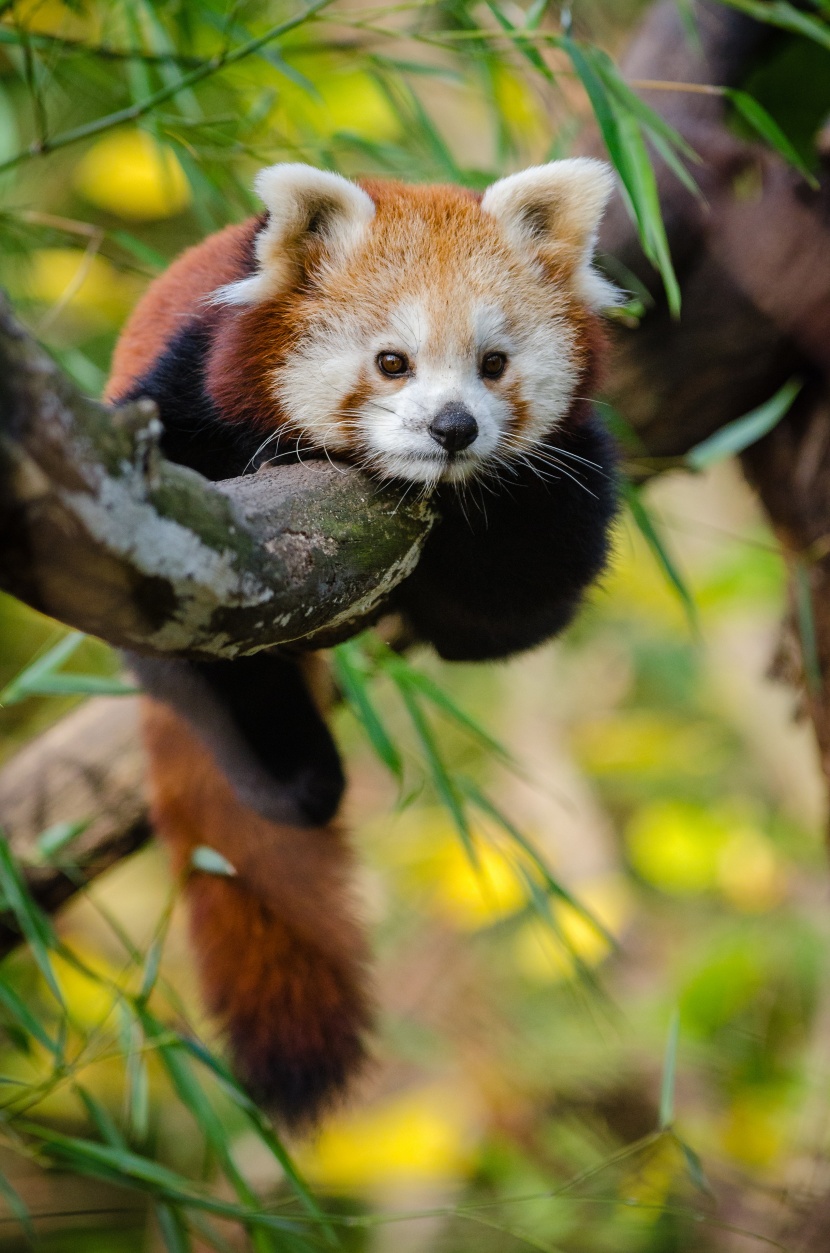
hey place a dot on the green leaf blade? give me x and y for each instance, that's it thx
(666, 1108)
(739, 435)
(766, 126)
(210, 861)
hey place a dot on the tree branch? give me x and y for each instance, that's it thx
(88, 768)
(755, 277)
(99, 530)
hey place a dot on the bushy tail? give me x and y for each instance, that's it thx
(280, 953)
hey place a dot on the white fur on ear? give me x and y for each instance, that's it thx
(548, 206)
(302, 203)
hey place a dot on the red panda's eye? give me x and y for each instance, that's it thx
(392, 363)
(492, 364)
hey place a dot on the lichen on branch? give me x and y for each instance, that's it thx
(100, 530)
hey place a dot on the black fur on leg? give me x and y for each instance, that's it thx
(195, 433)
(259, 720)
(508, 564)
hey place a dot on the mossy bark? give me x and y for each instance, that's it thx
(100, 531)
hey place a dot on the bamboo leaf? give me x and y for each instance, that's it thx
(666, 1110)
(643, 188)
(33, 923)
(621, 133)
(694, 1167)
(18, 1208)
(211, 862)
(553, 887)
(805, 620)
(786, 17)
(535, 13)
(127, 1168)
(142, 252)
(439, 775)
(400, 668)
(352, 680)
(192, 1095)
(758, 118)
(173, 1228)
(59, 836)
(151, 968)
(100, 1118)
(81, 685)
(40, 677)
(24, 1017)
(743, 432)
(26, 683)
(651, 535)
(261, 1125)
(137, 1091)
(527, 49)
(113, 1162)
(649, 118)
(675, 164)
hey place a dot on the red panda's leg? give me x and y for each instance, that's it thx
(280, 952)
(507, 569)
(262, 721)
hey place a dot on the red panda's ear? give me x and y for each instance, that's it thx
(554, 210)
(308, 209)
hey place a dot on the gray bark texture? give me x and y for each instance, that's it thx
(102, 532)
(99, 530)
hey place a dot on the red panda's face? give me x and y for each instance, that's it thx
(426, 335)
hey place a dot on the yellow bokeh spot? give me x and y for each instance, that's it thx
(641, 742)
(519, 105)
(129, 174)
(474, 896)
(51, 17)
(346, 100)
(752, 1131)
(418, 1136)
(646, 1185)
(637, 585)
(84, 283)
(432, 862)
(675, 846)
(750, 873)
(89, 998)
(354, 102)
(544, 956)
(686, 849)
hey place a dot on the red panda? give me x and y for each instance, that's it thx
(444, 341)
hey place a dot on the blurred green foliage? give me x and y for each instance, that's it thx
(646, 841)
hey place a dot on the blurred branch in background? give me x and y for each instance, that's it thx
(753, 255)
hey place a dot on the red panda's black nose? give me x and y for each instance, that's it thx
(453, 427)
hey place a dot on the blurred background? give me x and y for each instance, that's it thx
(644, 1071)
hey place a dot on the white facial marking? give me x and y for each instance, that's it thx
(507, 285)
(444, 348)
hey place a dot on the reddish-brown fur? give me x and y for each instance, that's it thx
(280, 955)
(254, 340)
(280, 958)
(174, 297)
